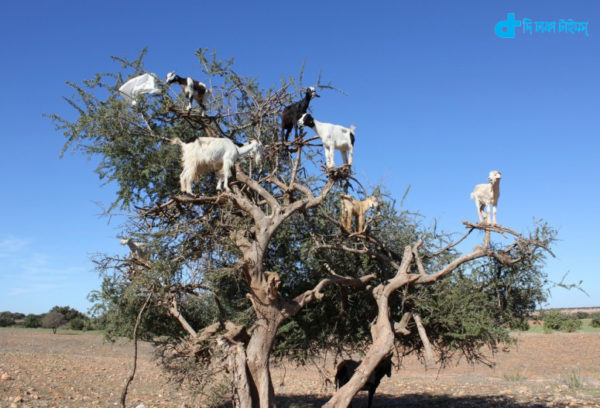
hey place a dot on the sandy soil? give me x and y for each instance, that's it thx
(39, 369)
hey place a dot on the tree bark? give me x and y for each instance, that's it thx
(429, 355)
(258, 352)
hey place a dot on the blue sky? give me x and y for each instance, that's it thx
(438, 100)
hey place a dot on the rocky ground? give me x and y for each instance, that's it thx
(39, 369)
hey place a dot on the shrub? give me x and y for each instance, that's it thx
(582, 315)
(595, 321)
(77, 323)
(555, 320)
(570, 324)
(6, 321)
(32, 321)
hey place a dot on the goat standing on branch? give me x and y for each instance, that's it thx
(487, 195)
(138, 249)
(352, 208)
(345, 370)
(292, 113)
(208, 154)
(333, 137)
(192, 89)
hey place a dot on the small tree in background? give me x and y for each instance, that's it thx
(232, 277)
(53, 320)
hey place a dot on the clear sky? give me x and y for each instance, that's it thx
(438, 100)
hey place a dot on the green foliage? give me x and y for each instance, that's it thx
(595, 320)
(194, 261)
(33, 321)
(9, 318)
(555, 320)
(68, 313)
(77, 323)
(6, 321)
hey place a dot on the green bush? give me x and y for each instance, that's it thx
(570, 325)
(32, 321)
(555, 320)
(77, 323)
(595, 321)
(6, 321)
(582, 315)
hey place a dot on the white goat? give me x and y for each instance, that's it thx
(333, 137)
(138, 249)
(208, 154)
(487, 195)
(193, 90)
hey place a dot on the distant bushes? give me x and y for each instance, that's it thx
(555, 320)
(33, 321)
(595, 320)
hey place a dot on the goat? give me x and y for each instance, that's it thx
(355, 208)
(138, 249)
(487, 195)
(345, 370)
(333, 137)
(293, 112)
(192, 89)
(208, 154)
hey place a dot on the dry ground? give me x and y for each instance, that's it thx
(39, 369)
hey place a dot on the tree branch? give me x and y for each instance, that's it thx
(174, 310)
(316, 293)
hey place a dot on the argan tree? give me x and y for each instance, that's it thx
(227, 271)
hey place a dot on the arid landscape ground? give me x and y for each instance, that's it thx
(39, 369)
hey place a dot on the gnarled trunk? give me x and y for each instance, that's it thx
(258, 353)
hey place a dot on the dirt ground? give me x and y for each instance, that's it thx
(39, 369)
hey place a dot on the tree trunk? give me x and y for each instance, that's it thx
(383, 342)
(258, 353)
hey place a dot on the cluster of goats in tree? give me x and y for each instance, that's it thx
(218, 154)
(213, 154)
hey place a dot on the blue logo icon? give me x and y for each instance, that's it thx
(506, 28)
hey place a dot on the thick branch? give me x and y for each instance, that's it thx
(174, 310)
(254, 185)
(401, 327)
(429, 356)
(316, 293)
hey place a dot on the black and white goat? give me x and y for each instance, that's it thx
(192, 89)
(293, 112)
(334, 137)
(345, 370)
(208, 154)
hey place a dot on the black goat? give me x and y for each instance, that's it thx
(292, 113)
(345, 370)
(193, 90)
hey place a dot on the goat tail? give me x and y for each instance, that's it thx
(352, 128)
(177, 141)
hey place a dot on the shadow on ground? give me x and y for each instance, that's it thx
(412, 401)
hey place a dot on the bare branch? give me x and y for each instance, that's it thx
(316, 293)
(174, 310)
(135, 349)
(429, 356)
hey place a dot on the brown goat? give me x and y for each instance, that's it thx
(355, 208)
(345, 370)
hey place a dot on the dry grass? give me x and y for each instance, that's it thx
(80, 370)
